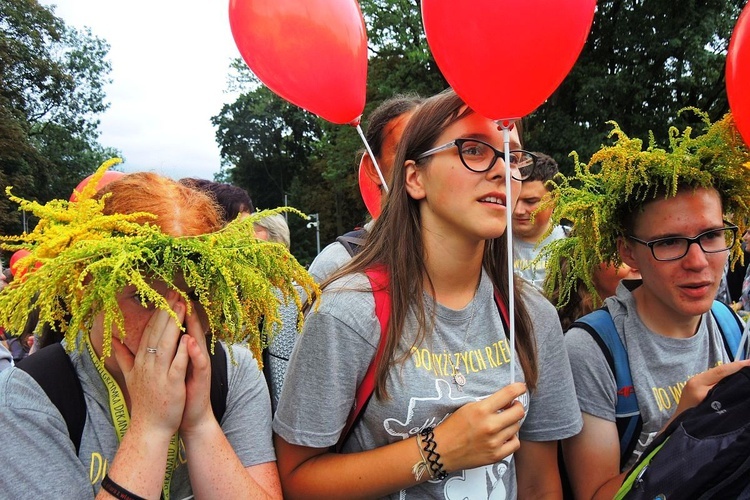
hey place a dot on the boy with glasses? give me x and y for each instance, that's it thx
(664, 214)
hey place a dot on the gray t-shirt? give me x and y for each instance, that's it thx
(39, 459)
(659, 366)
(524, 254)
(339, 341)
(6, 360)
(331, 259)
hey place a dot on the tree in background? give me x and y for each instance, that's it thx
(52, 81)
(642, 62)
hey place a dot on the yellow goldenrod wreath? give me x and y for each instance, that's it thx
(619, 178)
(80, 259)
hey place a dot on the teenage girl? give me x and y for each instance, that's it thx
(445, 421)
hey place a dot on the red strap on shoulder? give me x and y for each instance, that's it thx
(502, 307)
(379, 281)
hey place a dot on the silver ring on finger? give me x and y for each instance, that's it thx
(151, 350)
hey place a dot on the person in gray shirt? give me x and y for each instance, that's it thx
(668, 215)
(532, 230)
(149, 426)
(449, 418)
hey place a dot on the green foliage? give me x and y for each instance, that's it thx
(264, 142)
(641, 63)
(88, 258)
(618, 179)
(52, 80)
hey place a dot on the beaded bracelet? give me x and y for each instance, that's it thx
(118, 491)
(433, 457)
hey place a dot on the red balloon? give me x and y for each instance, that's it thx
(505, 58)
(13, 264)
(109, 176)
(738, 74)
(313, 53)
(370, 193)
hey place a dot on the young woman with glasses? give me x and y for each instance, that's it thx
(445, 420)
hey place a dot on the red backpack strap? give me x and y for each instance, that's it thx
(379, 280)
(503, 308)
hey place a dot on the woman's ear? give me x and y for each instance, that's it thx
(414, 180)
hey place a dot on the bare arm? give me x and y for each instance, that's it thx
(537, 473)
(476, 434)
(592, 459)
(215, 469)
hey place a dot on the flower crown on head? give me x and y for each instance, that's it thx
(82, 259)
(620, 178)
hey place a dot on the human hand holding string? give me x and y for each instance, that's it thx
(481, 432)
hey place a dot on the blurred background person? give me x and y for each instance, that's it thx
(532, 230)
(233, 201)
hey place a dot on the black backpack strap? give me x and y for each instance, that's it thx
(53, 370)
(219, 379)
(353, 241)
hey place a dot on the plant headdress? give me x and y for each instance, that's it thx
(619, 179)
(83, 258)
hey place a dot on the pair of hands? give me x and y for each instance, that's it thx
(482, 432)
(169, 389)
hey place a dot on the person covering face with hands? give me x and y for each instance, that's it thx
(149, 293)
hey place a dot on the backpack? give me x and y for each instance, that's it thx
(704, 453)
(53, 370)
(353, 241)
(379, 280)
(628, 418)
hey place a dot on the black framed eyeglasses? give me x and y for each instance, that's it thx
(676, 247)
(478, 156)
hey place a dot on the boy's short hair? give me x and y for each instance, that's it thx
(545, 169)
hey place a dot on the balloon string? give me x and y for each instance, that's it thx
(372, 157)
(506, 126)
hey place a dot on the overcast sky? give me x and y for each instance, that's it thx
(170, 61)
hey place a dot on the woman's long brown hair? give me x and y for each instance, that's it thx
(395, 241)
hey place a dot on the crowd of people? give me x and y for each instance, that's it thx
(402, 382)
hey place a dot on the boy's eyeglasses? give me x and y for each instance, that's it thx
(676, 247)
(478, 156)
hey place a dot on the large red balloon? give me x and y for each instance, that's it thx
(504, 58)
(738, 74)
(109, 176)
(313, 53)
